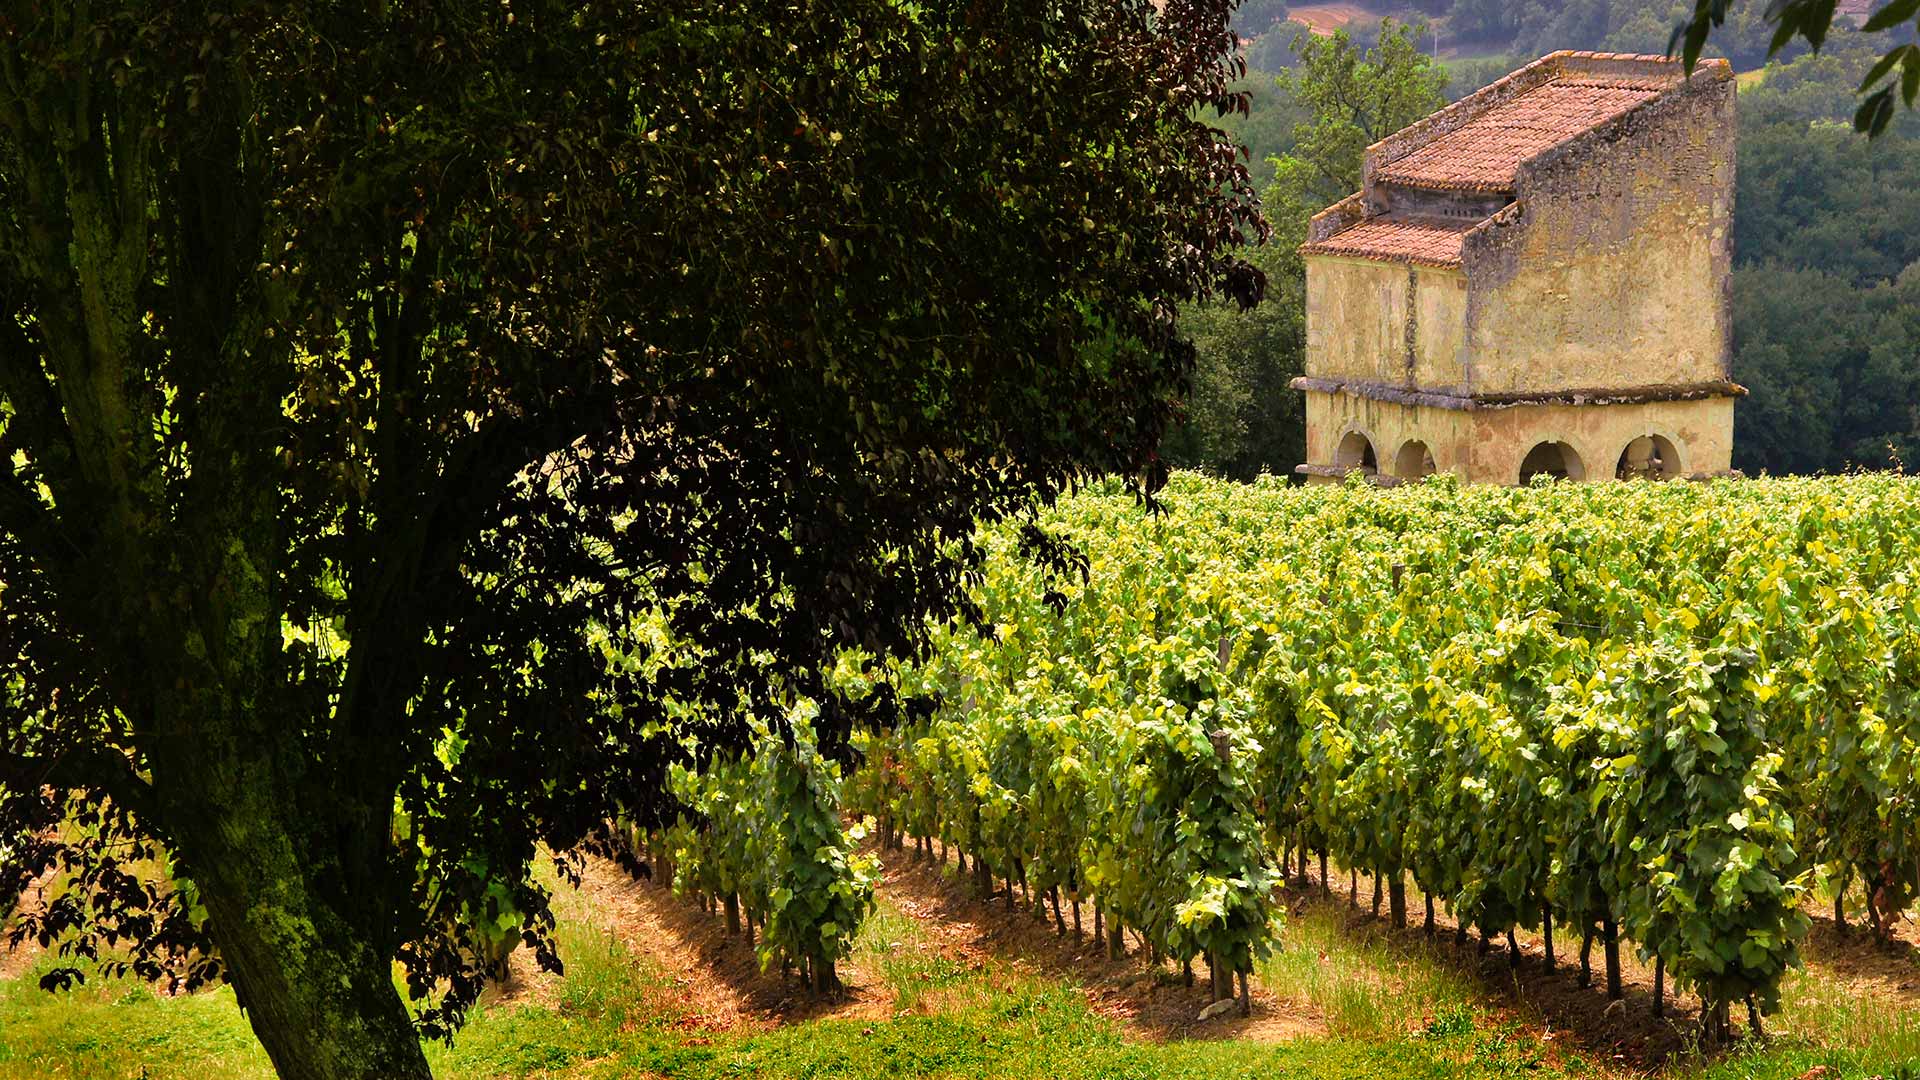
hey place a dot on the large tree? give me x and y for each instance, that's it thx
(1895, 78)
(1243, 417)
(383, 382)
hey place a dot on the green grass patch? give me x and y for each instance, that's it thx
(1393, 1009)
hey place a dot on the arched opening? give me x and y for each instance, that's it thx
(1555, 459)
(1649, 457)
(1356, 452)
(1414, 461)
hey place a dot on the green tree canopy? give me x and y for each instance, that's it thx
(436, 409)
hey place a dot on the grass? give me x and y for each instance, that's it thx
(1365, 986)
(1391, 1010)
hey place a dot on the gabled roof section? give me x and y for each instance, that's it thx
(1485, 154)
(1432, 184)
(1399, 238)
(1478, 143)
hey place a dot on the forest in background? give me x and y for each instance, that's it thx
(1826, 293)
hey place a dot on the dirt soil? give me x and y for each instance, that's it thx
(14, 961)
(716, 978)
(1324, 19)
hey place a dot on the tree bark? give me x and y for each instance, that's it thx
(1611, 934)
(1397, 899)
(1546, 932)
(1660, 986)
(1586, 957)
(1840, 902)
(1326, 885)
(317, 990)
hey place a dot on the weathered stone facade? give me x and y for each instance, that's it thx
(1535, 279)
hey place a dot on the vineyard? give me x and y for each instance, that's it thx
(1651, 716)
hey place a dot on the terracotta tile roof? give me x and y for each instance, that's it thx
(1485, 153)
(1396, 238)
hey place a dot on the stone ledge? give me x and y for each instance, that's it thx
(1628, 395)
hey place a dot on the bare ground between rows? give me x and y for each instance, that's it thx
(1558, 1008)
(716, 978)
(1148, 1003)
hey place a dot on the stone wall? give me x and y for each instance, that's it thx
(1487, 445)
(1358, 324)
(1613, 266)
(1701, 430)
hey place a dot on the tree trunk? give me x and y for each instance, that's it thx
(1353, 887)
(732, 904)
(1429, 927)
(1546, 932)
(1376, 894)
(1660, 986)
(1397, 899)
(1611, 933)
(1099, 917)
(1186, 972)
(1059, 921)
(1116, 941)
(1326, 885)
(1586, 957)
(825, 981)
(1246, 996)
(1513, 950)
(1840, 901)
(318, 992)
(1076, 920)
(1460, 932)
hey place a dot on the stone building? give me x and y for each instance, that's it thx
(1533, 280)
